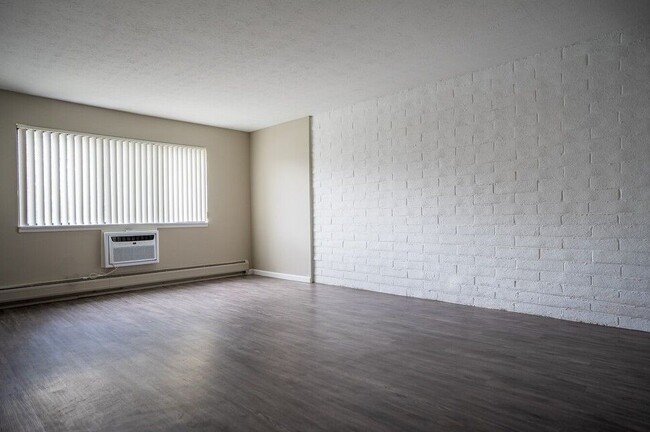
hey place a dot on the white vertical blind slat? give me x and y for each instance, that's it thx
(112, 198)
(184, 184)
(172, 184)
(195, 186)
(128, 189)
(47, 202)
(30, 177)
(155, 182)
(190, 185)
(106, 163)
(69, 167)
(136, 183)
(165, 183)
(119, 174)
(148, 148)
(85, 181)
(181, 184)
(38, 177)
(144, 199)
(175, 176)
(92, 185)
(204, 185)
(99, 186)
(54, 179)
(78, 181)
(63, 179)
(70, 179)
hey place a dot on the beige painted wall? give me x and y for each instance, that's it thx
(281, 200)
(43, 256)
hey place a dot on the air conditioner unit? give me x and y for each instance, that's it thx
(129, 248)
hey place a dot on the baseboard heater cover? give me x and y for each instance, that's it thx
(71, 288)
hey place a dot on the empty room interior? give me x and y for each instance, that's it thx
(294, 215)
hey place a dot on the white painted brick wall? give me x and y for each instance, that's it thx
(523, 187)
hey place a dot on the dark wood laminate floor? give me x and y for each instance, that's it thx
(257, 354)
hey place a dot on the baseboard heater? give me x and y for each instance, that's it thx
(35, 293)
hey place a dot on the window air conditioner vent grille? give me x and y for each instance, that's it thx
(130, 248)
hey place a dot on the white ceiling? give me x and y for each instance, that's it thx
(249, 64)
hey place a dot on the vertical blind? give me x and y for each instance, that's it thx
(75, 179)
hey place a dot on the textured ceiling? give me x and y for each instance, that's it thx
(251, 64)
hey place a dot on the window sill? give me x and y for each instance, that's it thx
(117, 227)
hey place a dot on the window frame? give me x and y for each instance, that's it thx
(101, 227)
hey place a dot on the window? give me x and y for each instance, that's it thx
(69, 179)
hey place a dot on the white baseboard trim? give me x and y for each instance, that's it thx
(108, 284)
(296, 278)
